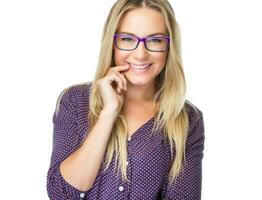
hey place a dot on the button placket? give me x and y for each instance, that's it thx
(82, 195)
(128, 164)
(121, 188)
(129, 138)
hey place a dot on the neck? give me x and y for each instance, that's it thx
(139, 93)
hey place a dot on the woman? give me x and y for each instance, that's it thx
(130, 133)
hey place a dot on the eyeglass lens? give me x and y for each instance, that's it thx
(126, 42)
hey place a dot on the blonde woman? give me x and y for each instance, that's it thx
(130, 133)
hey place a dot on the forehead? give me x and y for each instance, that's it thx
(142, 22)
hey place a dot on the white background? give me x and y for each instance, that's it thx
(46, 46)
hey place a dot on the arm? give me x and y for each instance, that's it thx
(73, 168)
(189, 181)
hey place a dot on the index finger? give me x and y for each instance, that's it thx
(120, 68)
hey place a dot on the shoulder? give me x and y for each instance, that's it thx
(194, 113)
(74, 95)
(196, 124)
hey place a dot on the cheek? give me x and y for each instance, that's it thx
(162, 59)
(120, 57)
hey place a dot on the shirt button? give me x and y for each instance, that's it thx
(129, 138)
(121, 188)
(82, 195)
(126, 162)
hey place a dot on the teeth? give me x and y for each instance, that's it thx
(140, 66)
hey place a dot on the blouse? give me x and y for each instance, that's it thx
(149, 158)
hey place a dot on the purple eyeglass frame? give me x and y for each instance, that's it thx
(143, 40)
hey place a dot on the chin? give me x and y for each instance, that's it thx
(131, 79)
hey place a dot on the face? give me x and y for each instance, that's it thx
(141, 22)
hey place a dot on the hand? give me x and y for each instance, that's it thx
(112, 87)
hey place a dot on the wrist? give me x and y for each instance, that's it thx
(109, 114)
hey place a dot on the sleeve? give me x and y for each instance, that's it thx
(65, 142)
(189, 181)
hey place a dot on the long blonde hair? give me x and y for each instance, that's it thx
(171, 89)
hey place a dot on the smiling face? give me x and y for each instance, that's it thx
(142, 22)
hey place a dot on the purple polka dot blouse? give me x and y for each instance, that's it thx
(149, 158)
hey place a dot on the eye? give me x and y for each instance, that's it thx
(127, 39)
(155, 40)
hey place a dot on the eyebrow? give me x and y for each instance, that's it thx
(159, 33)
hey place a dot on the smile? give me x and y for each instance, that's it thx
(139, 66)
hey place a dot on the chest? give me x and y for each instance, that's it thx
(134, 123)
(137, 116)
(148, 162)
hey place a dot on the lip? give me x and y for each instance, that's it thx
(139, 69)
(140, 66)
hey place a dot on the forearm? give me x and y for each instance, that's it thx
(81, 168)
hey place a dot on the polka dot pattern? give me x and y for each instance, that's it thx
(149, 157)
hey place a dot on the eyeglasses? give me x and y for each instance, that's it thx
(152, 43)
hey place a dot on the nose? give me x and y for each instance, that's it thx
(140, 52)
